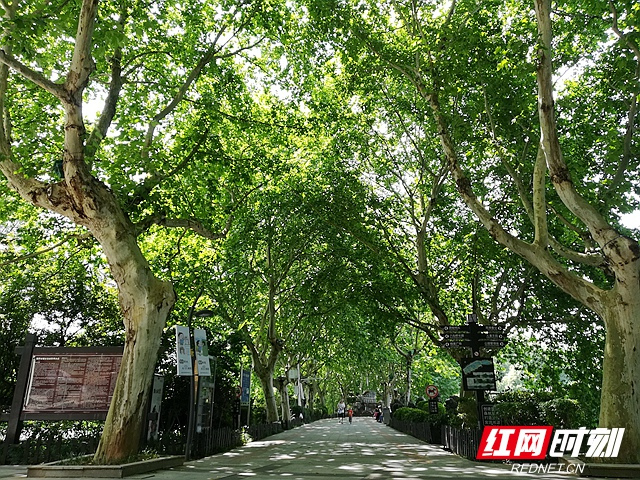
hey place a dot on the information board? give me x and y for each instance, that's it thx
(478, 374)
(489, 416)
(78, 382)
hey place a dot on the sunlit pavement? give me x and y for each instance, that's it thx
(329, 450)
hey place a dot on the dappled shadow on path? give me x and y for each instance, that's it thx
(363, 450)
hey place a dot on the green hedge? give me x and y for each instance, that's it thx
(539, 408)
(408, 414)
(514, 408)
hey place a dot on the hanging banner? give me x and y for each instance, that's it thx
(300, 389)
(183, 351)
(155, 403)
(202, 352)
(245, 386)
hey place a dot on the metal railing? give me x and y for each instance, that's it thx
(49, 447)
(420, 430)
(461, 442)
(52, 446)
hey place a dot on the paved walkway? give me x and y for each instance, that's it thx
(327, 450)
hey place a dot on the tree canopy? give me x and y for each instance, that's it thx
(334, 181)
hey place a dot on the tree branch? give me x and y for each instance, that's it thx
(47, 249)
(627, 155)
(109, 109)
(581, 289)
(55, 89)
(541, 238)
(600, 230)
(82, 64)
(190, 224)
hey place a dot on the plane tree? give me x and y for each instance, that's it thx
(151, 69)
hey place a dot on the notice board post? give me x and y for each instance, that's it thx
(62, 383)
(13, 427)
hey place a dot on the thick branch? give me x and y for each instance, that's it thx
(626, 156)
(36, 77)
(539, 201)
(109, 108)
(600, 230)
(190, 224)
(195, 73)
(577, 287)
(81, 63)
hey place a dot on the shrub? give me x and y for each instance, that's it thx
(563, 413)
(409, 414)
(467, 413)
(521, 407)
(321, 411)
(418, 415)
(539, 408)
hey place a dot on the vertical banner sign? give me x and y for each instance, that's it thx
(183, 351)
(245, 386)
(202, 352)
(155, 404)
(300, 389)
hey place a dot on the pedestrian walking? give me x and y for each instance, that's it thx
(341, 407)
(350, 413)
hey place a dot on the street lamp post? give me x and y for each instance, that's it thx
(192, 393)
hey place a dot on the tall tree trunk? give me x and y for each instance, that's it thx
(284, 401)
(311, 395)
(265, 362)
(409, 360)
(620, 396)
(265, 375)
(145, 302)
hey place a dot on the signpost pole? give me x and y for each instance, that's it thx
(475, 375)
(192, 386)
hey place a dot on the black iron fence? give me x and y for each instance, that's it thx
(461, 442)
(212, 441)
(420, 430)
(49, 447)
(54, 445)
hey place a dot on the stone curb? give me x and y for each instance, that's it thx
(55, 470)
(607, 470)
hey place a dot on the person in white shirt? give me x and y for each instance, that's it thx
(341, 407)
